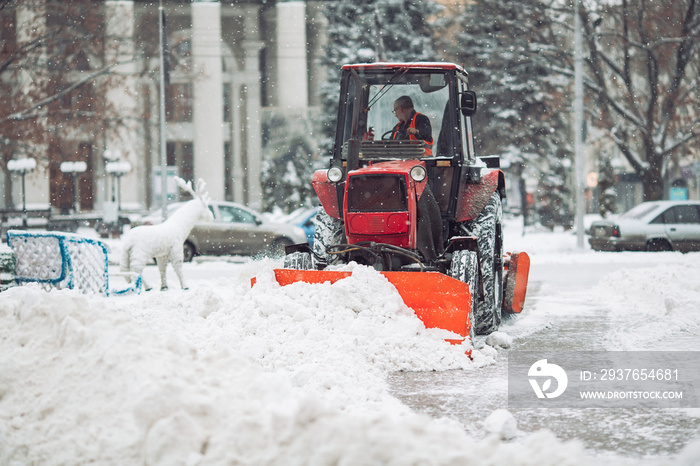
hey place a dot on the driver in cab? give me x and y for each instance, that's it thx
(412, 125)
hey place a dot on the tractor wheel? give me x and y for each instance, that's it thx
(488, 228)
(329, 231)
(298, 261)
(465, 268)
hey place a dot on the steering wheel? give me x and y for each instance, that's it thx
(386, 135)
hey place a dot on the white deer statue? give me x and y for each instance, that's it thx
(165, 240)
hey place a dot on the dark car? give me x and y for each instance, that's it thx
(236, 230)
(650, 226)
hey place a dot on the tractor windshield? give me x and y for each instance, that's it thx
(379, 90)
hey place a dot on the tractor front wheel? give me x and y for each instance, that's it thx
(465, 268)
(488, 228)
(298, 261)
(329, 231)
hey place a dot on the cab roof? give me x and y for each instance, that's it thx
(404, 65)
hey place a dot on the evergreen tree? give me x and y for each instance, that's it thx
(507, 48)
(366, 31)
(286, 181)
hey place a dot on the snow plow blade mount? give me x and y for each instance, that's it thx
(438, 300)
(516, 282)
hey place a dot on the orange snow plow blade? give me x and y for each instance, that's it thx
(516, 282)
(438, 300)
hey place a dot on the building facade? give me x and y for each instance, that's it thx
(240, 73)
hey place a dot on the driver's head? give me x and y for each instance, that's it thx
(403, 108)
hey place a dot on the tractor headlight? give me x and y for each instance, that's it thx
(418, 173)
(335, 174)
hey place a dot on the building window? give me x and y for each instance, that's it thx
(228, 171)
(178, 103)
(7, 30)
(78, 103)
(181, 155)
(227, 102)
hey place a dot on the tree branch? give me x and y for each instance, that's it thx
(27, 114)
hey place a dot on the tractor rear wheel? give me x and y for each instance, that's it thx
(465, 268)
(488, 228)
(329, 231)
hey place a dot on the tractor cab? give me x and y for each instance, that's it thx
(366, 119)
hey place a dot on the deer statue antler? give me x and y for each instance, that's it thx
(201, 191)
(185, 186)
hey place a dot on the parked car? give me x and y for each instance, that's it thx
(236, 230)
(650, 226)
(305, 219)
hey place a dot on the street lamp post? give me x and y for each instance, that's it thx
(578, 124)
(74, 169)
(117, 170)
(22, 167)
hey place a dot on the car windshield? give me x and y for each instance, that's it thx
(639, 211)
(428, 91)
(235, 215)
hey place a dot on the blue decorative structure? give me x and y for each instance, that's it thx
(64, 261)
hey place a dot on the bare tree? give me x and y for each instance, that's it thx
(642, 74)
(54, 76)
(642, 81)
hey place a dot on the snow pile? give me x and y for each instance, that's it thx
(689, 456)
(648, 305)
(226, 374)
(501, 423)
(337, 340)
(499, 339)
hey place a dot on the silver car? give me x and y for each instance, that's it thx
(650, 226)
(236, 230)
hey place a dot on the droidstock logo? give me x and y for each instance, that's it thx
(542, 369)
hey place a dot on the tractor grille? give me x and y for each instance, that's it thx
(377, 193)
(377, 223)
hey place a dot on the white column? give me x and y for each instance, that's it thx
(251, 153)
(31, 25)
(237, 119)
(208, 112)
(253, 143)
(292, 78)
(122, 98)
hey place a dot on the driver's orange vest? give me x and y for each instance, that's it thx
(428, 144)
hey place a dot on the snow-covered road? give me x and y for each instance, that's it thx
(564, 314)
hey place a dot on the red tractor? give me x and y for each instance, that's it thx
(425, 210)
